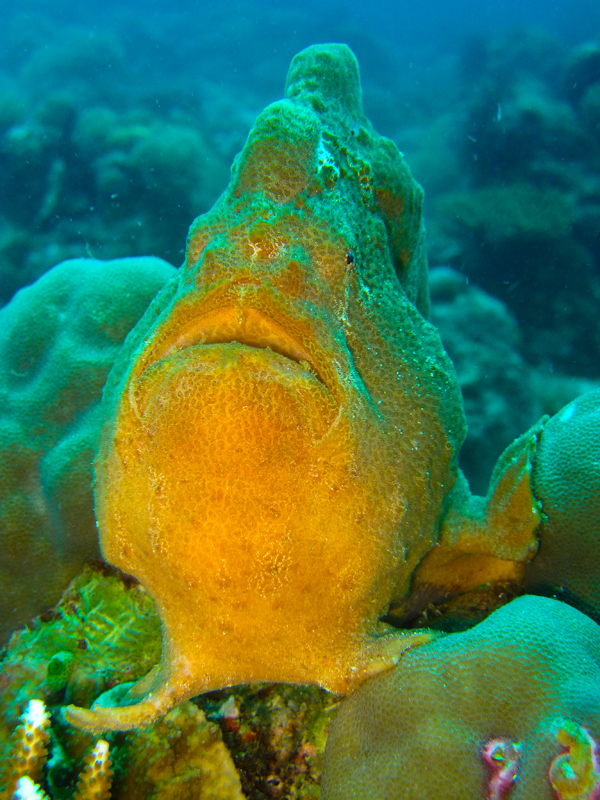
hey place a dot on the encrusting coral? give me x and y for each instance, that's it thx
(508, 709)
(566, 479)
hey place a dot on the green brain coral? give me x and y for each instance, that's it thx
(58, 340)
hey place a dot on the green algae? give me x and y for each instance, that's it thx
(103, 631)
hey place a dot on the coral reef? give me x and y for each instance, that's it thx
(482, 339)
(525, 205)
(502, 393)
(88, 166)
(520, 690)
(278, 466)
(58, 340)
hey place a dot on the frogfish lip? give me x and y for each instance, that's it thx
(253, 328)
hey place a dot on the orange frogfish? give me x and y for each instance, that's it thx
(282, 425)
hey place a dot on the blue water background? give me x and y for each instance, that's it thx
(251, 42)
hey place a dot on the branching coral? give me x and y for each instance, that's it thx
(30, 747)
(29, 754)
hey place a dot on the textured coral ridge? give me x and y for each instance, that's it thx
(566, 479)
(58, 340)
(283, 423)
(509, 709)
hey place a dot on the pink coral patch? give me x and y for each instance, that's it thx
(503, 758)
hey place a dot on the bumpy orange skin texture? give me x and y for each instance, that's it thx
(529, 674)
(487, 540)
(283, 423)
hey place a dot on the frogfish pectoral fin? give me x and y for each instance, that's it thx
(156, 701)
(99, 719)
(382, 653)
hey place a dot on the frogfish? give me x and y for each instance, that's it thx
(281, 427)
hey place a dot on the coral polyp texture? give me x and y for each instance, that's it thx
(508, 709)
(58, 340)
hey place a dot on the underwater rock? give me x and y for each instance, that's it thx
(276, 734)
(527, 677)
(516, 240)
(582, 72)
(180, 757)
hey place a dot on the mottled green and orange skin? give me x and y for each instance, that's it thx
(283, 424)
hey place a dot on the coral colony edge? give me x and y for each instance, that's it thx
(274, 444)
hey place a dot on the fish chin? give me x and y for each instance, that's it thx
(213, 435)
(188, 383)
(211, 403)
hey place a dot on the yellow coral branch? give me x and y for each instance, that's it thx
(30, 747)
(29, 754)
(96, 778)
